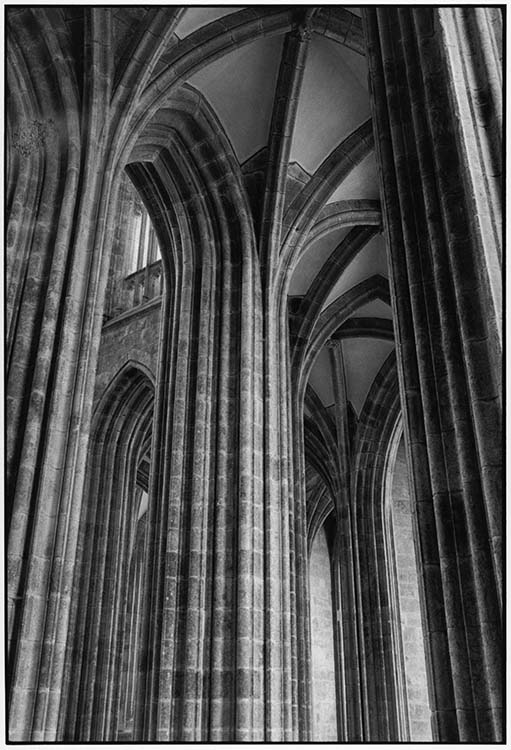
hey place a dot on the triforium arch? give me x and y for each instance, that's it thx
(331, 260)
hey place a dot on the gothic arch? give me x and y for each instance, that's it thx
(319, 290)
(246, 466)
(331, 319)
(120, 440)
(186, 173)
(305, 210)
(116, 388)
(319, 437)
(343, 213)
(375, 431)
(215, 40)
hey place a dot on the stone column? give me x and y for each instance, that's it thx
(53, 352)
(382, 699)
(344, 591)
(201, 674)
(281, 679)
(64, 195)
(115, 302)
(287, 687)
(432, 103)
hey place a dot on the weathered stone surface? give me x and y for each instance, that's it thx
(32, 136)
(409, 604)
(169, 463)
(430, 203)
(324, 699)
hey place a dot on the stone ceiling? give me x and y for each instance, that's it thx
(332, 104)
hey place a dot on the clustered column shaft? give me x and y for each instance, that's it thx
(344, 563)
(221, 645)
(446, 322)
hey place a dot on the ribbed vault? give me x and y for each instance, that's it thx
(310, 174)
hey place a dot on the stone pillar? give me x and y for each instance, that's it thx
(407, 615)
(45, 491)
(201, 673)
(287, 652)
(115, 301)
(381, 696)
(345, 597)
(63, 190)
(281, 679)
(435, 95)
(324, 699)
(49, 383)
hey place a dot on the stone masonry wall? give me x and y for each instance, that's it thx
(133, 337)
(322, 637)
(411, 628)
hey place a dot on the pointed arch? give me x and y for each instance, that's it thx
(331, 271)
(188, 177)
(306, 206)
(374, 287)
(120, 440)
(342, 214)
(378, 429)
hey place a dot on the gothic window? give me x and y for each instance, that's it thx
(135, 275)
(142, 245)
